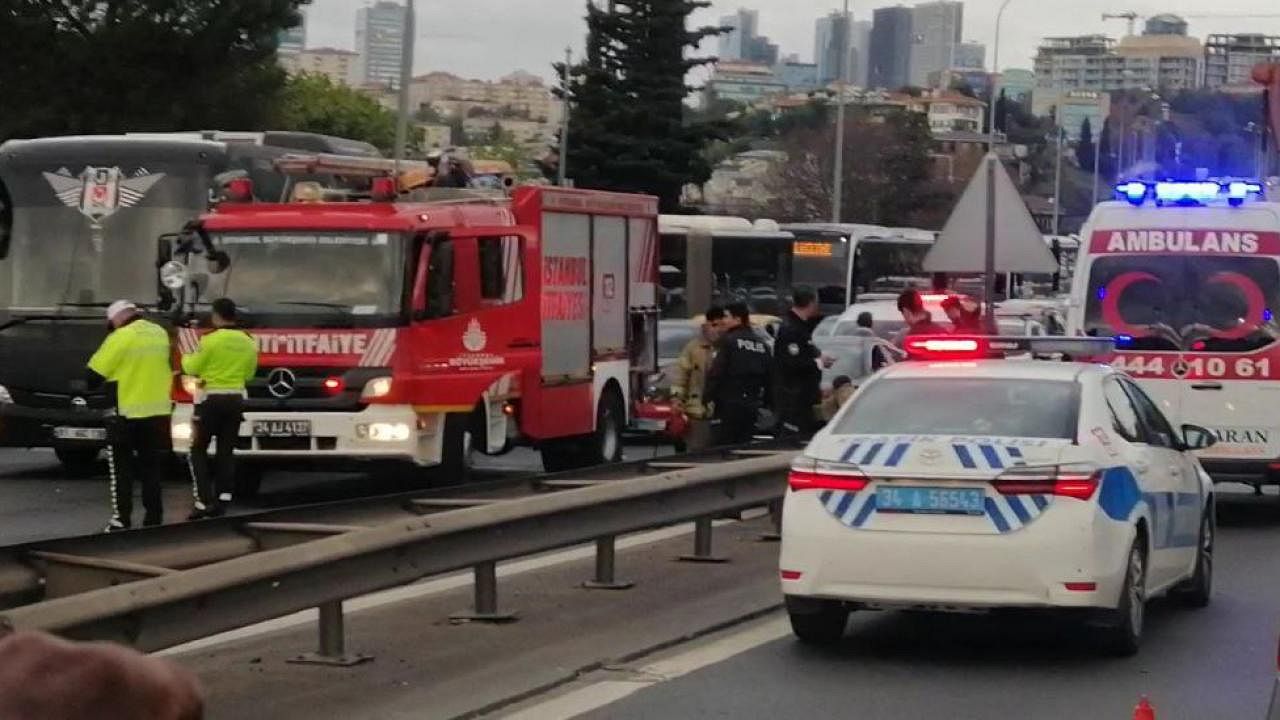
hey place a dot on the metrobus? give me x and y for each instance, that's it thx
(713, 259)
(830, 258)
(79, 223)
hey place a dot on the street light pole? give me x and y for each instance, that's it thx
(406, 76)
(992, 163)
(1057, 183)
(562, 172)
(837, 183)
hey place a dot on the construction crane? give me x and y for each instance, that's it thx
(1129, 15)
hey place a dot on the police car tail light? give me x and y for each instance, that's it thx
(1073, 481)
(946, 348)
(812, 475)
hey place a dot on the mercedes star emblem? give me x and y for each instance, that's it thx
(282, 383)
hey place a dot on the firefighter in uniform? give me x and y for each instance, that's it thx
(738, 381)
(136, 357)
(226, 359)
(688, 391)
(797, 375)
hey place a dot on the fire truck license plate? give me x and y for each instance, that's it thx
(281, 428)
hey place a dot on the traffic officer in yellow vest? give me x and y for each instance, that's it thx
(688, 386)
(226, 359)
(136, 356)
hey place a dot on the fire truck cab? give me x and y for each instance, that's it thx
(426, 331)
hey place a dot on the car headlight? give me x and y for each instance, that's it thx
(376, 388)
(5, 397)
(383, 432)
(181, 431)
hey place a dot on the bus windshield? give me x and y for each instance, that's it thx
(1185, 303)
(85, 235)
(356, 274)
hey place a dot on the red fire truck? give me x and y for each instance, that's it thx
(426, 330)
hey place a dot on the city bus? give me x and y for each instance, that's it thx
(832, 257)
(80, 219)
(713, 259)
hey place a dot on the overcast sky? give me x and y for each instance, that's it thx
(490, 38)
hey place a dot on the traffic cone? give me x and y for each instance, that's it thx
(1144, 711)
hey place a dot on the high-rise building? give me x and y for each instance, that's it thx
(1229, 59)
(797, 76)
(1017, 85)
(1097, 63)
(379, 40)
(830, 38)
(890, 48)
(860, 61)
(742, 42)
(971, 56)
(936, 29)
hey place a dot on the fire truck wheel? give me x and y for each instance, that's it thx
(605, 445)
(457, 454)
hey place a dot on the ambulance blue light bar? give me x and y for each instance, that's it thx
(976, 347)
(1197, 192)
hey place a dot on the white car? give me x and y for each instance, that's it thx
(957, 482)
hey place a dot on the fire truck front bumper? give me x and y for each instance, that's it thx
(378, 432)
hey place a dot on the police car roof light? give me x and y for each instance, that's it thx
(951, 347)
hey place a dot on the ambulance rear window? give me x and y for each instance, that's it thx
(999, 407)
(1186, 303)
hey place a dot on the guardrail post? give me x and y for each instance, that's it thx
(332, 641)
(702, 544)
(775, 520)
(486, 598)
(605, 561)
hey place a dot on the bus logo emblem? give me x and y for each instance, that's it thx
(98, 192)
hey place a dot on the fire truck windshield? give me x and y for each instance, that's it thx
(360, 275)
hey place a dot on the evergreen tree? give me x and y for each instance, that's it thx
(1086, 153)
(628, 129)
(1106, 163)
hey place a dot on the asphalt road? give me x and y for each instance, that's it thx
(39, 501)
(1214, 663)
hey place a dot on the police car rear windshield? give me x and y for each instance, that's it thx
(997, 407)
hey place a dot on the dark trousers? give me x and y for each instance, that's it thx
(735, 424)
(138, 450)
(796, 417)
(218, 417)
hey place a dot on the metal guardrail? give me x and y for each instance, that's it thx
(273, 567)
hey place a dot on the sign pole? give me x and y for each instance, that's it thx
(989, 276)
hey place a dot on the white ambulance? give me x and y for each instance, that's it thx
(1186, 277)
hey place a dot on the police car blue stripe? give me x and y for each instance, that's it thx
(867, 508)
(1014, 452)
(844, 503)
(1041, 502)
(966, 459)
(824, 497)
(871, 454)
(992, 457)
(848, 452)
(1015, 504)
(895, 457)
(997, 518)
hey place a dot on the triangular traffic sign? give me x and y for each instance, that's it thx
(1019, 246)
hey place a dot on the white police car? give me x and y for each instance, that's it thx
(955, 481)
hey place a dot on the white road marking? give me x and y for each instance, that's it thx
(597, 695)
(440, 585)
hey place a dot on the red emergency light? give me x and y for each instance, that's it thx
(334, 385)
(949, 347)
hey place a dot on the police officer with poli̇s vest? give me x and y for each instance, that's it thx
(136, 357)
(738, 381)
(797, 372)
(225, 361)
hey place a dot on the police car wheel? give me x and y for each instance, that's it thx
(1197, 591)
(79, 462)
(1122, 633)
(817, 622)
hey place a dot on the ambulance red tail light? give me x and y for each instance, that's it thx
(1073, 481)
(808, 474)
(383, 189)
(946, 348)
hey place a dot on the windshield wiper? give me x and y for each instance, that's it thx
(325, 305)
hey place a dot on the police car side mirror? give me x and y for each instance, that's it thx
(1197, 438)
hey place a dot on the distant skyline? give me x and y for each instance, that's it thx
(490, 38)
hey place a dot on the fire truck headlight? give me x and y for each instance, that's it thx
(181, 431)
(383, 432)
(376, 388)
